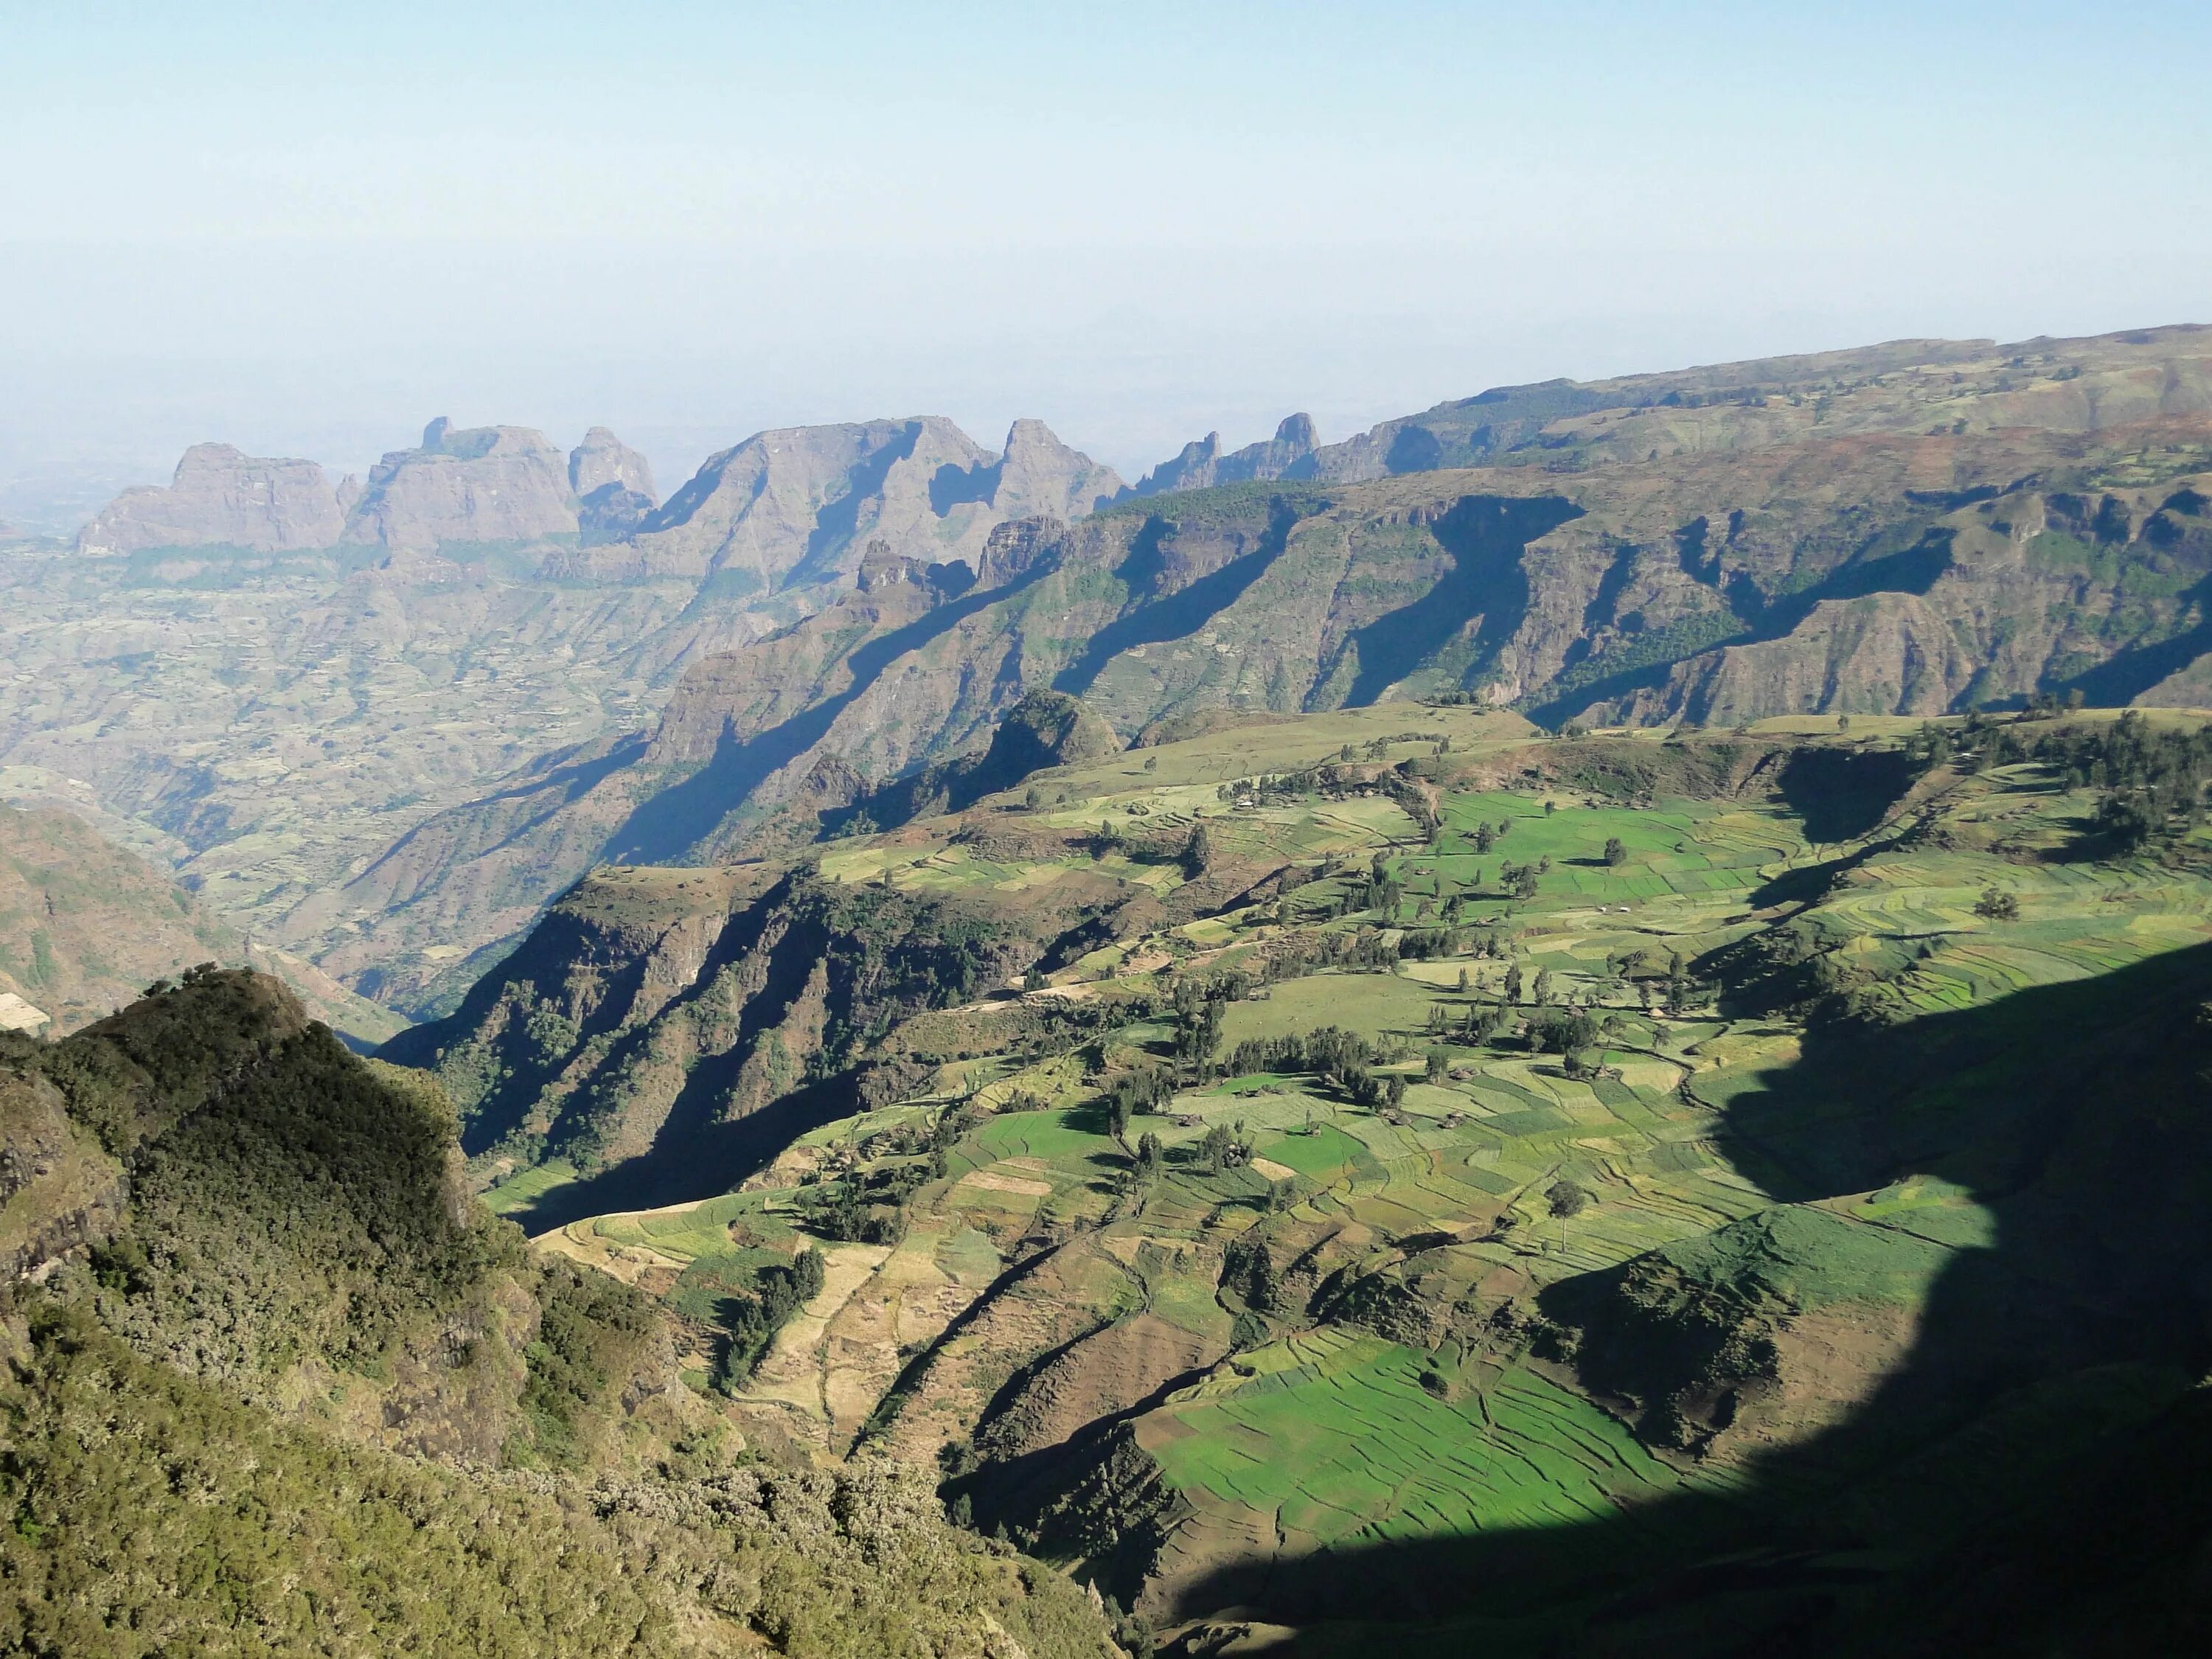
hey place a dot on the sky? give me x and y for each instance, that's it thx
(307, 230)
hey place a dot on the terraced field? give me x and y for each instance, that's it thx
(1289, 1314)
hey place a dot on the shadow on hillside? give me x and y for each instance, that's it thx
(1154, 618)
(712, 1160)
(2033, 1477)
(669, 824)
(1487, 537)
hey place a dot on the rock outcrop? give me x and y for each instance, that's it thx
(488, 484)
(602, 459)
(613, 486)
(800, 506)
(1201, 464)
(221, 497)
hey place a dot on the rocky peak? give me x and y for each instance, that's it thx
(1201, 465)
(799, 506)
(880, 568)
(1037, 473)
(492, 484)
(220, 497)
(602, 459)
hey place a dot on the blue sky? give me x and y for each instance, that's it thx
(308, 229)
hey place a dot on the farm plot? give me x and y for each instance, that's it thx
(1332, 1440)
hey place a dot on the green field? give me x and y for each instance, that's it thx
(1396, 1382)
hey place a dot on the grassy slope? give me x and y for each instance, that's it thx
(85, 926)
(1416, 1413)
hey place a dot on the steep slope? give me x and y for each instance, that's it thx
(221, 497)
(1875, 573)
(1471, 1190)
(282, 1379)
(84, 927)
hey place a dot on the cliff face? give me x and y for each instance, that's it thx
(483, 484)
(1201, 464)
(602, 459)
(221, 497)
(801, 506)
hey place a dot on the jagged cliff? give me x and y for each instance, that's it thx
(222, 496)
(801, 506)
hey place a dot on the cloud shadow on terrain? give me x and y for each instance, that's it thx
(2031, 1477)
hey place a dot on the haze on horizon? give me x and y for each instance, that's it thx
(307, 232)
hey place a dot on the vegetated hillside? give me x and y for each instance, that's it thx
(84, 927)
(273, 1382)
(1865, 574)
(298, 683)
(1482, 1191)
(1900, 386)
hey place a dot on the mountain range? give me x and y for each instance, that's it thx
(519, 664)
(1576, 1025)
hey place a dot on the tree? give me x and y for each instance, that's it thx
(1615, 854)
(2126, 819)
(1197, 851)
(1565, 1031)
(1151, 763)
(1394, 1091)
(1462, 979)
(1566, 1201)
(1513, 983)
(1485, 838)
(1543, 987)
(1550, 807)
(1997, 905)
(1439, 1064)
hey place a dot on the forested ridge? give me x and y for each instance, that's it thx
(295, 1392)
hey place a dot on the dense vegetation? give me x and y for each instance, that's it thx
(300, 1394)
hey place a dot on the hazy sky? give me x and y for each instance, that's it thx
(308, 228)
